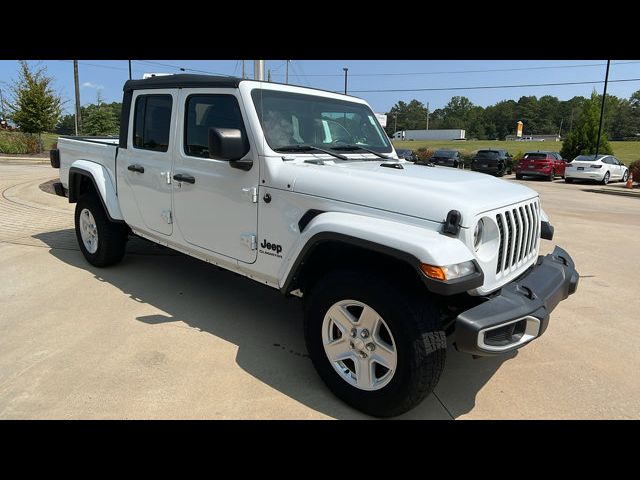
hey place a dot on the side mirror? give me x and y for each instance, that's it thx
(229, 144)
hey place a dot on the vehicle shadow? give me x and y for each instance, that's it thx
(265, 326)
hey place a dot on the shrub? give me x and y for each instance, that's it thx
(425, 153)
(634, 169)
(18, 142)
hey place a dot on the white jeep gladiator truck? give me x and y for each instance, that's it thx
(300, 190)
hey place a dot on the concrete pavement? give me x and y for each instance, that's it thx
(162, 335)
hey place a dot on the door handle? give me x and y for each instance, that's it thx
(136, 168)
(181, 177)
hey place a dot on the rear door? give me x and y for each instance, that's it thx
(219, 210)
(560, 164)
(144, 187)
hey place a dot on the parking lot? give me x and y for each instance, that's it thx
(163, 335)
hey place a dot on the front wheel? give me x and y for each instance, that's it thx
(101, 241)
(625, 177)
(378, 347)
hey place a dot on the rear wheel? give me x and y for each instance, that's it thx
(378, 346)
(605, 179)
(550, 177)
(101, 241)
(518, 176)
(568, 180)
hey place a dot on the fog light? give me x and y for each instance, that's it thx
(448, 272)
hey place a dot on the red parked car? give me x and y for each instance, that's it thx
(541, 164)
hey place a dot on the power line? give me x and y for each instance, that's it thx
(484, 87)
(466, 71)
(184, 69)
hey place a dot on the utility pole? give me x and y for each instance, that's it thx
(243, 69)
(75, 79)
(258, 70)
(286, 74)
(346, 69)
(269, 75)
(1, 105)
(395, 123)
(604, 95)
(129, 69)
(427, 116)
(560, 130)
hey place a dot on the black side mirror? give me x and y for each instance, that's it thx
(231, 145)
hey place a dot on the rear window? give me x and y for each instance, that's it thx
(586, 158)
(445, 154)
(535, 156)
(487, 154)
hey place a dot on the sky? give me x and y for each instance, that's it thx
(108, 76)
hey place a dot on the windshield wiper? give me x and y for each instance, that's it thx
(308, 148)
(358, 147)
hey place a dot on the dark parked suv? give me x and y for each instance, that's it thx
(447, 158)
(496, 162)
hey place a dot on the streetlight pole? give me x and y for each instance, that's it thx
(258, 70)
(395, 123)
(604, 95)
(427, 116)
(244, 69)
(77, 88)
(346, 69)
(129, 69)
(286, 74)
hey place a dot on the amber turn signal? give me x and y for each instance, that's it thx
(433, 272)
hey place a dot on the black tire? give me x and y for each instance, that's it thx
(112, 236)
(568, 180)
(605, 179)
(518, 176)
(625, 177)
(414, 323)
(550, 177)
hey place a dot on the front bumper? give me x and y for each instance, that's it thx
(520, 312)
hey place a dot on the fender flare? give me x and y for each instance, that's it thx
(99, 176)
(408, 243)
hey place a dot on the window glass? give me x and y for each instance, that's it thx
(209, 111)
(152, 122)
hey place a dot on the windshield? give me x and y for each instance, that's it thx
(300, 119)
(444, 154)
(401, 151)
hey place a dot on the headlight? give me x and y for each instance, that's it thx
(448, 272)
(477, 234)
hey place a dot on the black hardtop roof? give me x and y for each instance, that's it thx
(182, 80)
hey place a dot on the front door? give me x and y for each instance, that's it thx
(144, 167)
(219, 210)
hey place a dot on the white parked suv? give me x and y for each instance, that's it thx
(603, 169)
(301, 190)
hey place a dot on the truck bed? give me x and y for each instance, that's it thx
(101, 150)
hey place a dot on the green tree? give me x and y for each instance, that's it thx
(410, 116)
(99, 119)
(584, 137)
(35, 107)
(66, 125)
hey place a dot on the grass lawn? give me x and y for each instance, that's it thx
(624, 151)
(48, 139)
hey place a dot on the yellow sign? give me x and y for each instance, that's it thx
(519, 131)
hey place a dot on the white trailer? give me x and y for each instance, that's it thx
(447, 134)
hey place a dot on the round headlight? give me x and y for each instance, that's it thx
(477, 234)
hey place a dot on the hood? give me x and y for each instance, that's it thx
(416, 190)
